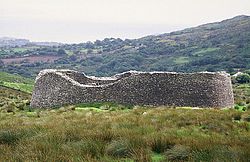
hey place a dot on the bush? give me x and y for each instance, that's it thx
(237, 107)
(237, 116)
(178, 153)
(247, 72)
(243, 78)
(218, 153)
(118, 148)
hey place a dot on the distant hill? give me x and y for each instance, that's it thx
(12, 42)
(215, 46)
(15, 42)
(46, 43)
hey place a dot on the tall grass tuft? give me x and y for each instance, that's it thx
(118, 148)
(9, 137)
(160, 143)
(178, 153)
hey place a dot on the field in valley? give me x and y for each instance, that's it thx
(30, 59)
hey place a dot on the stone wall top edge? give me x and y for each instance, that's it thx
(131, 71)
(61, 73)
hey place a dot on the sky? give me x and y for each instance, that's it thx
(75, 21)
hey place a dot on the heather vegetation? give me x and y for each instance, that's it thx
(120, 133)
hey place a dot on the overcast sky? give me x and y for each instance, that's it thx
(88, 20)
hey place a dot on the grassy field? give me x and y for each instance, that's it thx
(19, 49)
(205, 51)
(16, 82)
(12, 100)
(181, 60)
(112, 132)
(80, 133)
(242, 96)
(6, 77)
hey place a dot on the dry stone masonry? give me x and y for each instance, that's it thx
(203, 89)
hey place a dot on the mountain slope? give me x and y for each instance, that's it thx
(16, 82)
(216, 46)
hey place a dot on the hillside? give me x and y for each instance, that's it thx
(16, 82)
(216, 46)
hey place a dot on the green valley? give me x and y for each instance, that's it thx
(219, 46)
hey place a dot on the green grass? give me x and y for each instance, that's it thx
(19, 49)
(181, 60)
(19, 86)
(242, 96)
(141, 134)
(157, 157)
(205, 51)
(6, 77)
(12, 100)
(16, 82)
(104, 105)
(84, 50)
(69, 53)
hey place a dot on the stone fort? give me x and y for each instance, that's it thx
(202, 89)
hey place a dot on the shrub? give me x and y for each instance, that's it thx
(237, 116)
(178, 153)
(237, 107)
(217, 153)
(118, 148)
(243, 78)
